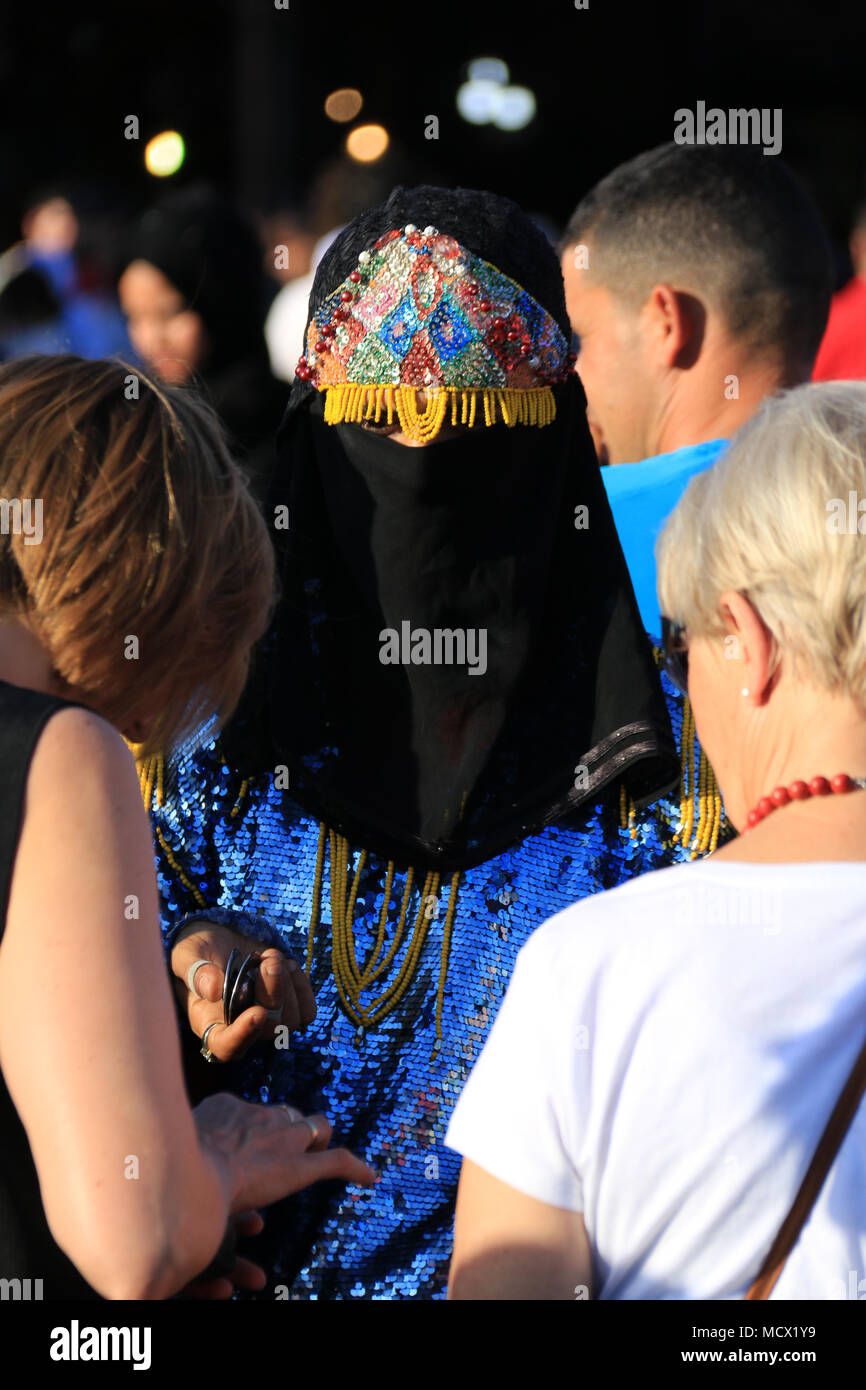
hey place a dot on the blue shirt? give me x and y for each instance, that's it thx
(642, 497)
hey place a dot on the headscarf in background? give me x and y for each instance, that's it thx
(213, 257)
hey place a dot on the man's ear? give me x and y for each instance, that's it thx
(676, 322)
(756, 646)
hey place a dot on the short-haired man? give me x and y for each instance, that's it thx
(698, 281)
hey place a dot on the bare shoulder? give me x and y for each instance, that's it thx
(85, 842)
(81, 732)
(82, 794)
(79, 747)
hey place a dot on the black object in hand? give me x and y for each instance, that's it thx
(239, 988)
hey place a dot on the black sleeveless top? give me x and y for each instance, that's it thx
(27, 1248)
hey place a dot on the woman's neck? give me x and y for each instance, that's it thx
(23, 659)
(821, 830)
(812, 733)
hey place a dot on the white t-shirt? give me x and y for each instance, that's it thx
(665, 1061)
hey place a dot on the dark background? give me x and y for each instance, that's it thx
(245, 84)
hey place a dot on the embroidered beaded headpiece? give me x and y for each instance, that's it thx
(420, 312)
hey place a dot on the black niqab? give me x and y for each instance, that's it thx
(432, 764)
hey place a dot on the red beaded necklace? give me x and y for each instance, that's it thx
(801, 791)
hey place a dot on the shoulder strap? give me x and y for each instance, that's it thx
(831, 1141)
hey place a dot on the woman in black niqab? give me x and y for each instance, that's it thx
(499, 530)
(404, 826)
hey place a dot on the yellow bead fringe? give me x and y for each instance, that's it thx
(699, 791)
(349, 403)
(151, 775)
(703, 837)
(350, 978)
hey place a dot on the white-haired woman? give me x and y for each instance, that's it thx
(666, 1061)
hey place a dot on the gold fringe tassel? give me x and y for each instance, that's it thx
(352, 404)
(350, 978)
(627, 812)
(151, 776)
(699, 793)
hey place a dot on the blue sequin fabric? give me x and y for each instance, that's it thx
(389, 1091)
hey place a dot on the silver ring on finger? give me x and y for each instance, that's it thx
(295, 1116)
(191, 974)
(313, 1127)
(205, 1050)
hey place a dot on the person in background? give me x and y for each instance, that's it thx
(668, 1054)
(194, 293)
(342, 190)
(698, 281)
(286, 227)
(842, 354)
(54, 284)
(135, 574)
(30, 313)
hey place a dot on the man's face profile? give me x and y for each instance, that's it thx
(610, 362)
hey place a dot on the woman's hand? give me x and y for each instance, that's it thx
(263, 1146)
(245, 1275)
(269, 1151)
(281, 985)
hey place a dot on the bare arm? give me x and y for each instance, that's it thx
(510, 1246)
(88, 1038)
(137, 1188)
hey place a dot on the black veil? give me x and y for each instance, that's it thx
(501, 531)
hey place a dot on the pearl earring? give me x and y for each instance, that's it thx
(744, 691)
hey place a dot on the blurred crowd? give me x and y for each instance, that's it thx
(64, 285)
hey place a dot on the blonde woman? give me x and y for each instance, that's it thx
(662, 1070)
(132, 559)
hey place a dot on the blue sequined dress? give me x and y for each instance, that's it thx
(389, 1092)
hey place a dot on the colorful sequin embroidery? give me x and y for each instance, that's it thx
(421, 313)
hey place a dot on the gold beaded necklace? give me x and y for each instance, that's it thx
(351, 980)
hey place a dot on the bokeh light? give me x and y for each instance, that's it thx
(367, 142)
(344, 105)
(476, 100)
(164, 154)
(486, 99)
(515, 107)
(488, 70)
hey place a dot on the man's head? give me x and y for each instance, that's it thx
(698, 279)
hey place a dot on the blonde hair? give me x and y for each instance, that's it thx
(148, 532)
(767, 521)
